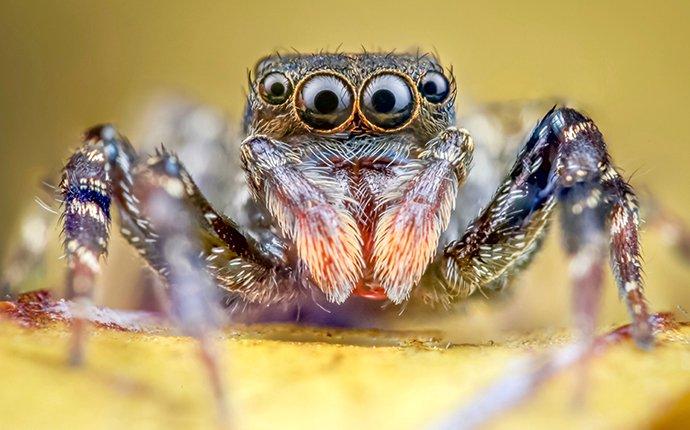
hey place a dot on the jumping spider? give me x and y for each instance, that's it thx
(354, 167)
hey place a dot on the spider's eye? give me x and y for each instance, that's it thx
(325, 101)
(434, 87)
(275, 88)
(388, 101)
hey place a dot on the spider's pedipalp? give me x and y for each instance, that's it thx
(419, 208)
(324, 233)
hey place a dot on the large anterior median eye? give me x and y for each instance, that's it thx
(275, 88)
(387, 101)
(325, 101)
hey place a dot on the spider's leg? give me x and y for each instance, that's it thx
(194, 300)
(565, 161)
(87, 187)
(159, 206)
(106, 169)
(499, 130)
(239, 266)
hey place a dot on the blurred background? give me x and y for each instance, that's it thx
(70, 64)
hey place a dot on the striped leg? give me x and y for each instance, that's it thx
(169, 222)
(87, 187)
(564, 161)
(241, 268)
(106, 170)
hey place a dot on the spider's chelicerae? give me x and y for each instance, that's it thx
(354, 170)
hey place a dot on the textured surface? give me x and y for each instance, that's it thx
(135, 380)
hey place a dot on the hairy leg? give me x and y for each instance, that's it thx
(169, 222)
(564, 161)
(194, 299)
(87, 187)
(499, 129)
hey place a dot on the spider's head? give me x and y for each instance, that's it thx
(354, 126)
(344, 96)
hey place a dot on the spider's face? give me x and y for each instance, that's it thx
(351, 128)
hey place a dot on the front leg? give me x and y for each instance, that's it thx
(565, 161)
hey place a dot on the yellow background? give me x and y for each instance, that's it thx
(65, 65)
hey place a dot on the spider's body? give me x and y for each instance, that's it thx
(354, 174)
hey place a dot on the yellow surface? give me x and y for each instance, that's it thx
(154, 381)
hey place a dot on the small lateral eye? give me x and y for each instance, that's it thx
(434, 87)
(388, 101)
(324, 101)
(275, 88)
